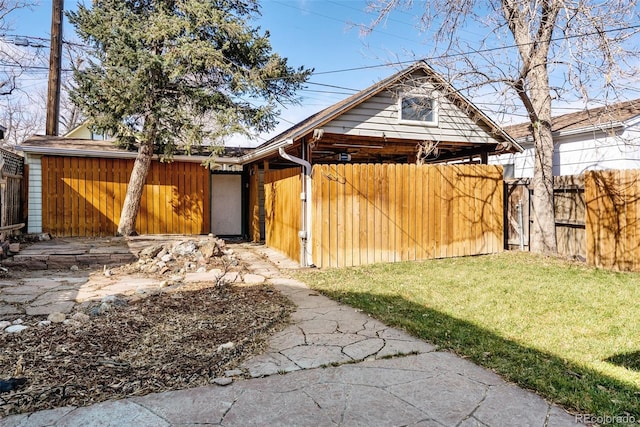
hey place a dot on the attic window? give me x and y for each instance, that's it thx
(418, 109)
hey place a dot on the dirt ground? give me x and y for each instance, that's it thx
(180, 338)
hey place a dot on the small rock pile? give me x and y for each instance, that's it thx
(20, 325)
(193, 255)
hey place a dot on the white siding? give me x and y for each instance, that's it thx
(578, 153)
(34, 201)
(378, 116)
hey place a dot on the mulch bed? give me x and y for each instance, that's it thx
(173, 340)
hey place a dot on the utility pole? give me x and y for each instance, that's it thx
(55, 65)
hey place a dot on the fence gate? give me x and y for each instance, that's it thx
(569, 205)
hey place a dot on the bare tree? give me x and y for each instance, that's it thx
(537, 52)
(11, 66)
(22, 116)
(22, 109)
(70, 114)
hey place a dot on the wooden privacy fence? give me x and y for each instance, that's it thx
(613, 218)
(11, 190)
(282, 209)
(84, 197)
(11, 200)
(386, 213)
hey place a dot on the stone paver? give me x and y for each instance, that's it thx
(371, 393)
(52, 307)
(8, 310)
(331, 366)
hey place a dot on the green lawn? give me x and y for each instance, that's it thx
(565, 330)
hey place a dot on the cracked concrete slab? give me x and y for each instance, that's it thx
(370, 393)
(331, 366)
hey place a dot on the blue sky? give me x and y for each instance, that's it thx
(319, 34)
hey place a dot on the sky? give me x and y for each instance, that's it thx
(321, 34)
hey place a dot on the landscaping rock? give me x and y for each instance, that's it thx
(81, 317)
(253, 279)
(226, 346)
(57, 317)
(233, 373)
(223, 381)
(185, 248)
(4, 324)
(14, 329)
(151, 251)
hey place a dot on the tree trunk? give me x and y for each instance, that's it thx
(543, 227)
(131, 206)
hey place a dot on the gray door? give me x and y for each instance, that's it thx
(226, 204)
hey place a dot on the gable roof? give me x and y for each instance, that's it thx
(607, 117)
(330, 113)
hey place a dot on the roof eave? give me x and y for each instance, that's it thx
(56, 151)
(528, 139)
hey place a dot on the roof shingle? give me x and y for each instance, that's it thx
(594, 117)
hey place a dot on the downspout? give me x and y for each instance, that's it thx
(304, 234)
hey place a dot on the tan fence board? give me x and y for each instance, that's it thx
(283, 210)
(84, 197)
(405, 212)
(612, 200)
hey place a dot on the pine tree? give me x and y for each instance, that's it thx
(174, 73)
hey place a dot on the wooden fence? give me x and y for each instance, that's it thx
(84, 197)
(568, 192)
(613, 219)
(282, 209)
(11, 190)
(386, 213)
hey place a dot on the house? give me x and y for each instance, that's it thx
(596, 138)
(413, 116)
(76, 186)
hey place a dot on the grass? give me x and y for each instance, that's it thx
(565, 330)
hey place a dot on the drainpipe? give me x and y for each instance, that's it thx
(304, 234)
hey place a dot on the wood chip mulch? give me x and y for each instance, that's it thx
(170, 341)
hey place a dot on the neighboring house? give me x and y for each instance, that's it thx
(76, 185)
(597, 138)
(82, 131)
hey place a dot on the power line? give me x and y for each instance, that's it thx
(478, 51)
(25, 41)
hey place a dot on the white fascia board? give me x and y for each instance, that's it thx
(242, 160)
(263, 152)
